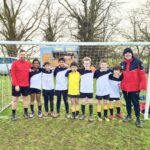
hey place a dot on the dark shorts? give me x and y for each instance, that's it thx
(35, 91)
(105, 97)
(113, 99)
(74, 96)
(86, 95)
(58, 93)
(24, 91)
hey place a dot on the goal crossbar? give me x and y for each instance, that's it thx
(40, 43)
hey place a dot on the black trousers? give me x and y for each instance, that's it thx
(132, 98)
(65, 98)
(48, 96)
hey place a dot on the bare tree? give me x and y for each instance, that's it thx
(14, 26)
(54, 22)
(92, 19)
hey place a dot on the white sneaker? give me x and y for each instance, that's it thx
(32, 115)
(40, 114)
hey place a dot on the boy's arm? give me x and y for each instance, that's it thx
(95, 74)
(55, 72)
(67, 73)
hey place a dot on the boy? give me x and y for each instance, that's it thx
(61, 86)
(102, 88)
(86, 87)
(35, 87)
(115, 80)
(74, 88)
(48, 88)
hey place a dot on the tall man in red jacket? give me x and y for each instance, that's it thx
(20, 83)
(134, 80)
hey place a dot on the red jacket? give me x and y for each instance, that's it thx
(134, 76)
(20, 73)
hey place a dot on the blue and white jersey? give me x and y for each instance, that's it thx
(102, 82)
(61, 79)
(115, 86)
(86, 81)
(47, 80)
(35, 78)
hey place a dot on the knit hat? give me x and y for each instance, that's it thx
(127, 50)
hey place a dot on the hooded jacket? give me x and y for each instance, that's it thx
(134, 76)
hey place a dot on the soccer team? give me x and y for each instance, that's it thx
(77, 85)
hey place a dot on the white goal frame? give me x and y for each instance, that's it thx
(38, 43)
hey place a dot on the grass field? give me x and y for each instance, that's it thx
(62, 134)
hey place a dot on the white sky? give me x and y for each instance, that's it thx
(125, 7)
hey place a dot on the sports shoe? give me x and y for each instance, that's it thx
(106, 119)
(46, 114)
(77, 117)
(99, 119)
(26, 116)
(82, 117)
(127, 118)
(40, 114)
(111, 117)
(32, 115)
(120, 115)
(52, 114)
(56, 115)
(13, 118)
(90, 119)
(138, 123)
(67, 116)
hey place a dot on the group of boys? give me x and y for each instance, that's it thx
(71, 82)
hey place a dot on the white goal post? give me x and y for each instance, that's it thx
(90, 44)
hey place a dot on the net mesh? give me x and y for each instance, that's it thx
(113, 54)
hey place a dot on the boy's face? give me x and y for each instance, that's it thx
(116, 72)
(47, 67)
(61, 63)
(103, 66)
(22, 55)
(74, 68)
(36, 65)
(86, 64)
(128, 56)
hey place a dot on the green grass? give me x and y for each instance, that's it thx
(5, 91)
(62, 134)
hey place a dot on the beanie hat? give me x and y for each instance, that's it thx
(127, 50)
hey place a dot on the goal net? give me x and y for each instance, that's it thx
(71, 51)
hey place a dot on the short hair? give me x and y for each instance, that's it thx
(46, 63)
(117, 68)
(35, 60)
(103, 61)
(74, 64)
(22, 51)
(61, 59)
(86, 59)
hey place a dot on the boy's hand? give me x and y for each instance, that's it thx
(17, 88)
(66, 65)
